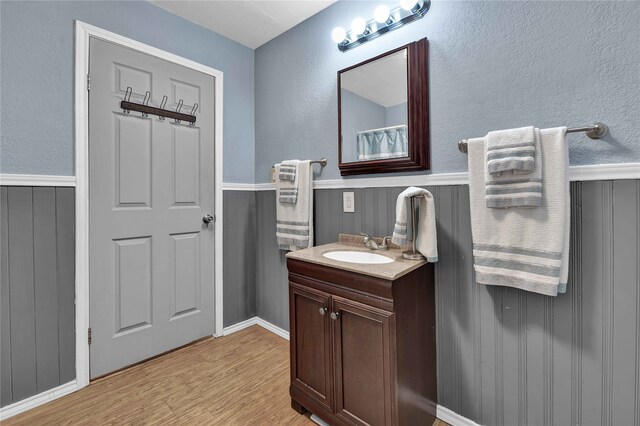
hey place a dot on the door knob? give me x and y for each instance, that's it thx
(335, 315)
(323, 310)
(207, 219)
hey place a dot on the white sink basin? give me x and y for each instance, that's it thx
(362, 257)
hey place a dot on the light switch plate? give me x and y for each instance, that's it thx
(273, 174)
(348, 202)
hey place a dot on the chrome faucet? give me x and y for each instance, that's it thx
(371, 243)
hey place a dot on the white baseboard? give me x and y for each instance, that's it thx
(239, 326)
(454, 419)
(256, 321)
(443, 414)
(37, 400)
(272, 328)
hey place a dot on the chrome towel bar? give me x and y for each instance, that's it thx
(322, 162)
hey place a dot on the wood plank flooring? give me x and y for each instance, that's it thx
(241, 379)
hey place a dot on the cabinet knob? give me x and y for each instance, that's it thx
(335, 315)
(323, 310)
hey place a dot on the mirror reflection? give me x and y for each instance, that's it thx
(373, 110)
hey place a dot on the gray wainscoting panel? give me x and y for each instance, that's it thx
(375, 210)
(38, 287)
(66, 263)
(6, 392)
(239, 256)
(46, 290)
(272, 287)
(505, 356)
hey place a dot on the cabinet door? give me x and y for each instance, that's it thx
(363, 338)
(311, 370)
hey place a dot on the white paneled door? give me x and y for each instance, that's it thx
(151, 188)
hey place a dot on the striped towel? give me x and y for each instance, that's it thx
(508, 189)
(287, 173)
(294, 222)
(288, 195)
(288, 170)
(511, 150)
(524, 248)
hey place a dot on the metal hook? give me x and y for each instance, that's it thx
(145, 102)
(193, 112)
(127, 98)
(178, 108)
(163, 103)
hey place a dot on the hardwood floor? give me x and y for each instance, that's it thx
(241, 379)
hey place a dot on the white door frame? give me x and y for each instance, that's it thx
(82, 33)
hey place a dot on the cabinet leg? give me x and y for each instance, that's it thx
(299, 408)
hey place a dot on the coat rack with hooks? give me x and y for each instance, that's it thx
(146, 109)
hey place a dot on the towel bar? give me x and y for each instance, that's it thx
(322, 162)
(596, 131)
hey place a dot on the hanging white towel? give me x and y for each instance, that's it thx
(511, 150)
(508, 189)
(294, 222)
(524, 248)
(426, 238)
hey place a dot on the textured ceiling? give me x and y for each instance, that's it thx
(250, 22)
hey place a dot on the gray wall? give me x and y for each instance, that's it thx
(36, 62)
(37, 281)
(272, 284)
(493, 65)
(506, 356)
(239, 279)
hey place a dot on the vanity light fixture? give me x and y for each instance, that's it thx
(382, 14)
(411, 5)
(359, 26)
(338, 34)
(384, 21)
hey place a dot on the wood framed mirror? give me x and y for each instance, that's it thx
(383, 112)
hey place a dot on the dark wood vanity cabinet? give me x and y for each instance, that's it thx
(311, 349)
(362, 348)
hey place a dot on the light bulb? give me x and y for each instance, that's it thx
(338, 34)
(407, 4)
(358, 26)
(381, 14)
